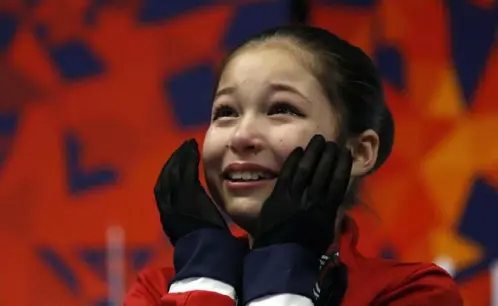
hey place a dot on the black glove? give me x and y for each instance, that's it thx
(183, 204)
(303, 205)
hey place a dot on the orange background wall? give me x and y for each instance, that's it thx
(95, 95)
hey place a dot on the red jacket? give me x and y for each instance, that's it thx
(370, 282)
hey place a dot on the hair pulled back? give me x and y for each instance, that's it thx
(349, 78)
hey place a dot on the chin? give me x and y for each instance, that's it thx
(244, 211)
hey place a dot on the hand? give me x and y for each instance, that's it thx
(303, 205)
(183, 204)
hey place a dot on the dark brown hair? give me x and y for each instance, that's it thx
(348, 77)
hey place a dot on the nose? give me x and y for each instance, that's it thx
(247, 138)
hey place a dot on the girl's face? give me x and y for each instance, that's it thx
(266, 104)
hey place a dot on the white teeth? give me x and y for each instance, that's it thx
(248, 176)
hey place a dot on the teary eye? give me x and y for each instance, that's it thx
(283, 108)
(223, 111)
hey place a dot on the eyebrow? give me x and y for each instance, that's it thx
(225, 91)
(274, 87)
(287, 88)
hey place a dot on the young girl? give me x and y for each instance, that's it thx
(298, 119)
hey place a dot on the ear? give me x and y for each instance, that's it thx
(365, 148)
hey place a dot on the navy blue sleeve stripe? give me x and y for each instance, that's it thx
(210, 253)
(278, 269)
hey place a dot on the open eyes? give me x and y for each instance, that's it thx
(276, 109)
(222, 111)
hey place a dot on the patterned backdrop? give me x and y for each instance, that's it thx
(95, 95)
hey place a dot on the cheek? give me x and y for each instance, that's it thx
(288, 138)
(214, 146)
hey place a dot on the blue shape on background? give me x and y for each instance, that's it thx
(8, 127)
(479, 223)
(8, 123)
(40, 31)
(103, 302)
(473, 32)
(75, 61)
(160, 10)
(391, 64)
(80, 180)
(139, 257)
(253, 18)
(387, 252)
(8, 28)
(191, 93)
(96, 260)
(61, 269)
(473, 270)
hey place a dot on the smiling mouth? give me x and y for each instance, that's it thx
(248, 176)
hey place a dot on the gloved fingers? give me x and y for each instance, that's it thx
(170, 175)
(340, 178)
(307, 165)
(288, 169)
(324, 171)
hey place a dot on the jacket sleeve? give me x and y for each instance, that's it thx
(147, 291)
(279, 275)
(209, 267)
(428, 286)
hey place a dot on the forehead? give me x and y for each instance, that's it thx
(258, 66)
